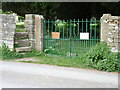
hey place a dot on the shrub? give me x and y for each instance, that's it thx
(7, 54)
(34, 53)
(100, 57)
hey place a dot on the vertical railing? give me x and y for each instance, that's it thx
(78, 29)
(71, 33)
(44, 33)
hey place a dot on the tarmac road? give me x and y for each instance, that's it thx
(26, 75)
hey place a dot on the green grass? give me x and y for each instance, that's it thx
(20, 23)
(20, 27)
(75, 62)
(20, 30)
(43, 58)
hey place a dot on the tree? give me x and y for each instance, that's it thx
(47, 9)
(64, 10)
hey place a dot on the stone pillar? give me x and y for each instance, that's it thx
(34, 26)
(110, 31)
(30, 28)
(104, 27)
(7, 30)
(39, 44)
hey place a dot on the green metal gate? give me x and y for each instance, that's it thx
(70, 37)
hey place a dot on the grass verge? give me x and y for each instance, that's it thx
(75, 62)
(99, 57)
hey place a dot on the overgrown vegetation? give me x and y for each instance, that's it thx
(100, 57)
(34, 53)
(8, 54)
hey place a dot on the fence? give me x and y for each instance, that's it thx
(61, 37)
(70, 37)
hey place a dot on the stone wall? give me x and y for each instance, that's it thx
(34, 26)
(7, 30)
(110, 31)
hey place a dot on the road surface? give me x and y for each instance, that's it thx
(26, 75)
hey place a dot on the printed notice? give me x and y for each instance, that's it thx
(84, 35)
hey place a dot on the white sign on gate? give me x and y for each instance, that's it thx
(84, 35)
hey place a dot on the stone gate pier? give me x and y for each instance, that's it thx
(7, 30)
(110, 31)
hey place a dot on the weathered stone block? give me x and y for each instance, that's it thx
(29, 16)
(116, 40)
(6, 25)
(115, 17)
(24, 49)
(29, 22)
(21, 35)
(22, 43)
(7, 30)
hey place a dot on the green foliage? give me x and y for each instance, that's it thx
(64, 27)
(19, 30)
(21, 18)
(7, 54)
(51, 50)
(20, 27)
(59, 61)
(47, 9)
(34, 53)
(100, 57)
(8, 12)
(16, 45)
(0, 11)
(20, 23)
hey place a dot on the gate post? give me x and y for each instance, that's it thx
(30, 28)
(110, 31)
(39, 40)
(104, 27)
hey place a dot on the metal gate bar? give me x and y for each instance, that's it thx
(70, 43)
